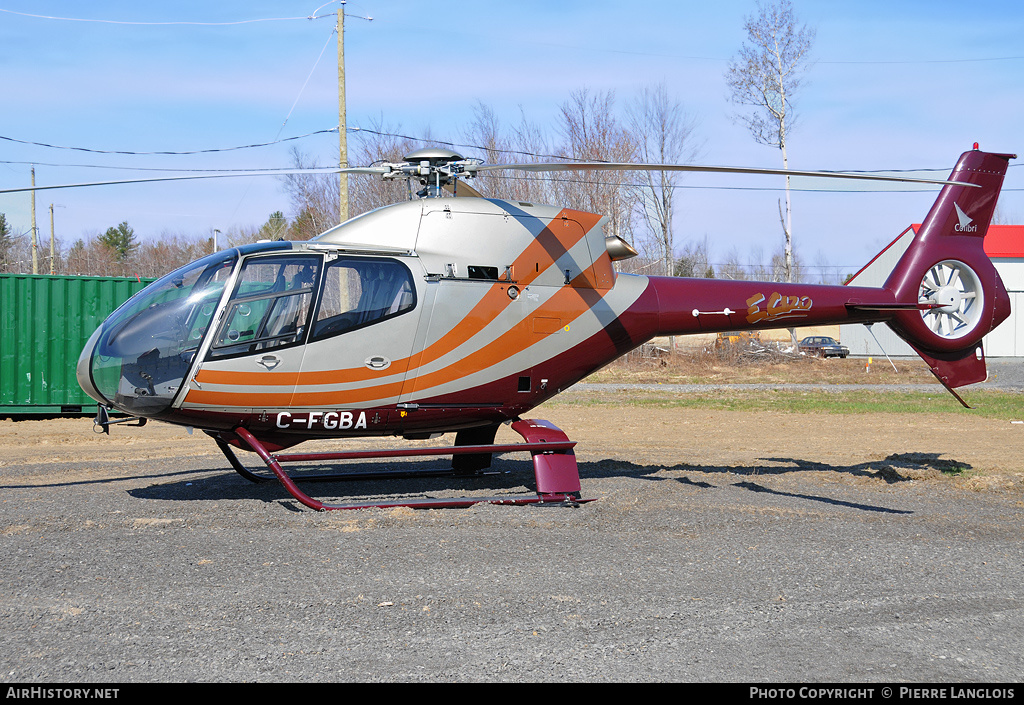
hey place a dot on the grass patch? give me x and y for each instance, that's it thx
(723, 367)
(989, 404)
(955, 469)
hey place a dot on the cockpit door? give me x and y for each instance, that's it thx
(255, 355)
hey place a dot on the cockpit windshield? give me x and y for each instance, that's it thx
(139, 357)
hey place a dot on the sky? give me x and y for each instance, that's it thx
(894, 86)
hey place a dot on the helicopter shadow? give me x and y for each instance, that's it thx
(895, 468)
(105, 480)
(510, 477)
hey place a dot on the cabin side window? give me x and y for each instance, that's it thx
(361, 292)
(270, 305)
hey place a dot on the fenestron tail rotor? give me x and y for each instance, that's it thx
(956, 296)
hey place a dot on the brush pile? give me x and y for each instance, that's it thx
(754, 352)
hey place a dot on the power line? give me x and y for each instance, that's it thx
(161, 24)
(923, 61)
(254, 171)
(166, 153)
(147, 168)
(718, 59)
(315, 16)
(457, 144)
(306, 82)
(523, 153)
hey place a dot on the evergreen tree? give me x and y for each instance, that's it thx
(121, 240)
(6, 239)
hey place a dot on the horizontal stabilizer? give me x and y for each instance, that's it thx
(892, 307)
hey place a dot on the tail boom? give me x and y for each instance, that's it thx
(688, 306)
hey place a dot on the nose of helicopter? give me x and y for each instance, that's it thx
(84, 370)
(137, 360)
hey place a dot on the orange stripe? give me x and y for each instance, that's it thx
(344, 397)
(566, 304)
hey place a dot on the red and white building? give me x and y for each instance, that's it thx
(1004, 244)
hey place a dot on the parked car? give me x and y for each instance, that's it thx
(822, 346)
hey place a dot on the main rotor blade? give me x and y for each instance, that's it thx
(618, 166)
(276, 172)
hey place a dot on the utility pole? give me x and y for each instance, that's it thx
(52, 254)
(35, 232)
(342, 123)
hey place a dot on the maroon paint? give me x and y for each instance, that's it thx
(941, 238)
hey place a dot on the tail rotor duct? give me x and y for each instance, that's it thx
(955, 293)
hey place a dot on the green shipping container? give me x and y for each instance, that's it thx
(45, 321)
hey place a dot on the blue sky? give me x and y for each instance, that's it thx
(895, 85)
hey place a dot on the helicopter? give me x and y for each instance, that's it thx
(459, 314)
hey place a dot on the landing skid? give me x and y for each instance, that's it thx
(554, 464)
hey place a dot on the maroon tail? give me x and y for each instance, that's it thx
(946, 271)
(942, 297)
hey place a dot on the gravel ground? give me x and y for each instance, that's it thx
(722, 546)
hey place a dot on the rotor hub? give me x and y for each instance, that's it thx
(436, 169)
(950, 297)
(955, 297)
(435, 156)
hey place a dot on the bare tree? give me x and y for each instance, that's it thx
(314, 198)
(765, 75)
(827, 273)
(732, 267)
(695, 260)
(591, 132)
(378, 143)
(524, 144)
(759, 270)
(664, 134)
(787, 267)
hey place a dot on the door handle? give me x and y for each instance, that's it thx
(269, 361)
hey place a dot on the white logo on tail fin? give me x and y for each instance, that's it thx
(964, 226)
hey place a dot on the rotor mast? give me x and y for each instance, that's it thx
(437, 170)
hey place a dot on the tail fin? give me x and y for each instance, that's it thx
(945, 271)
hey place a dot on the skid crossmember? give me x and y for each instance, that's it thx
(554, 463)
